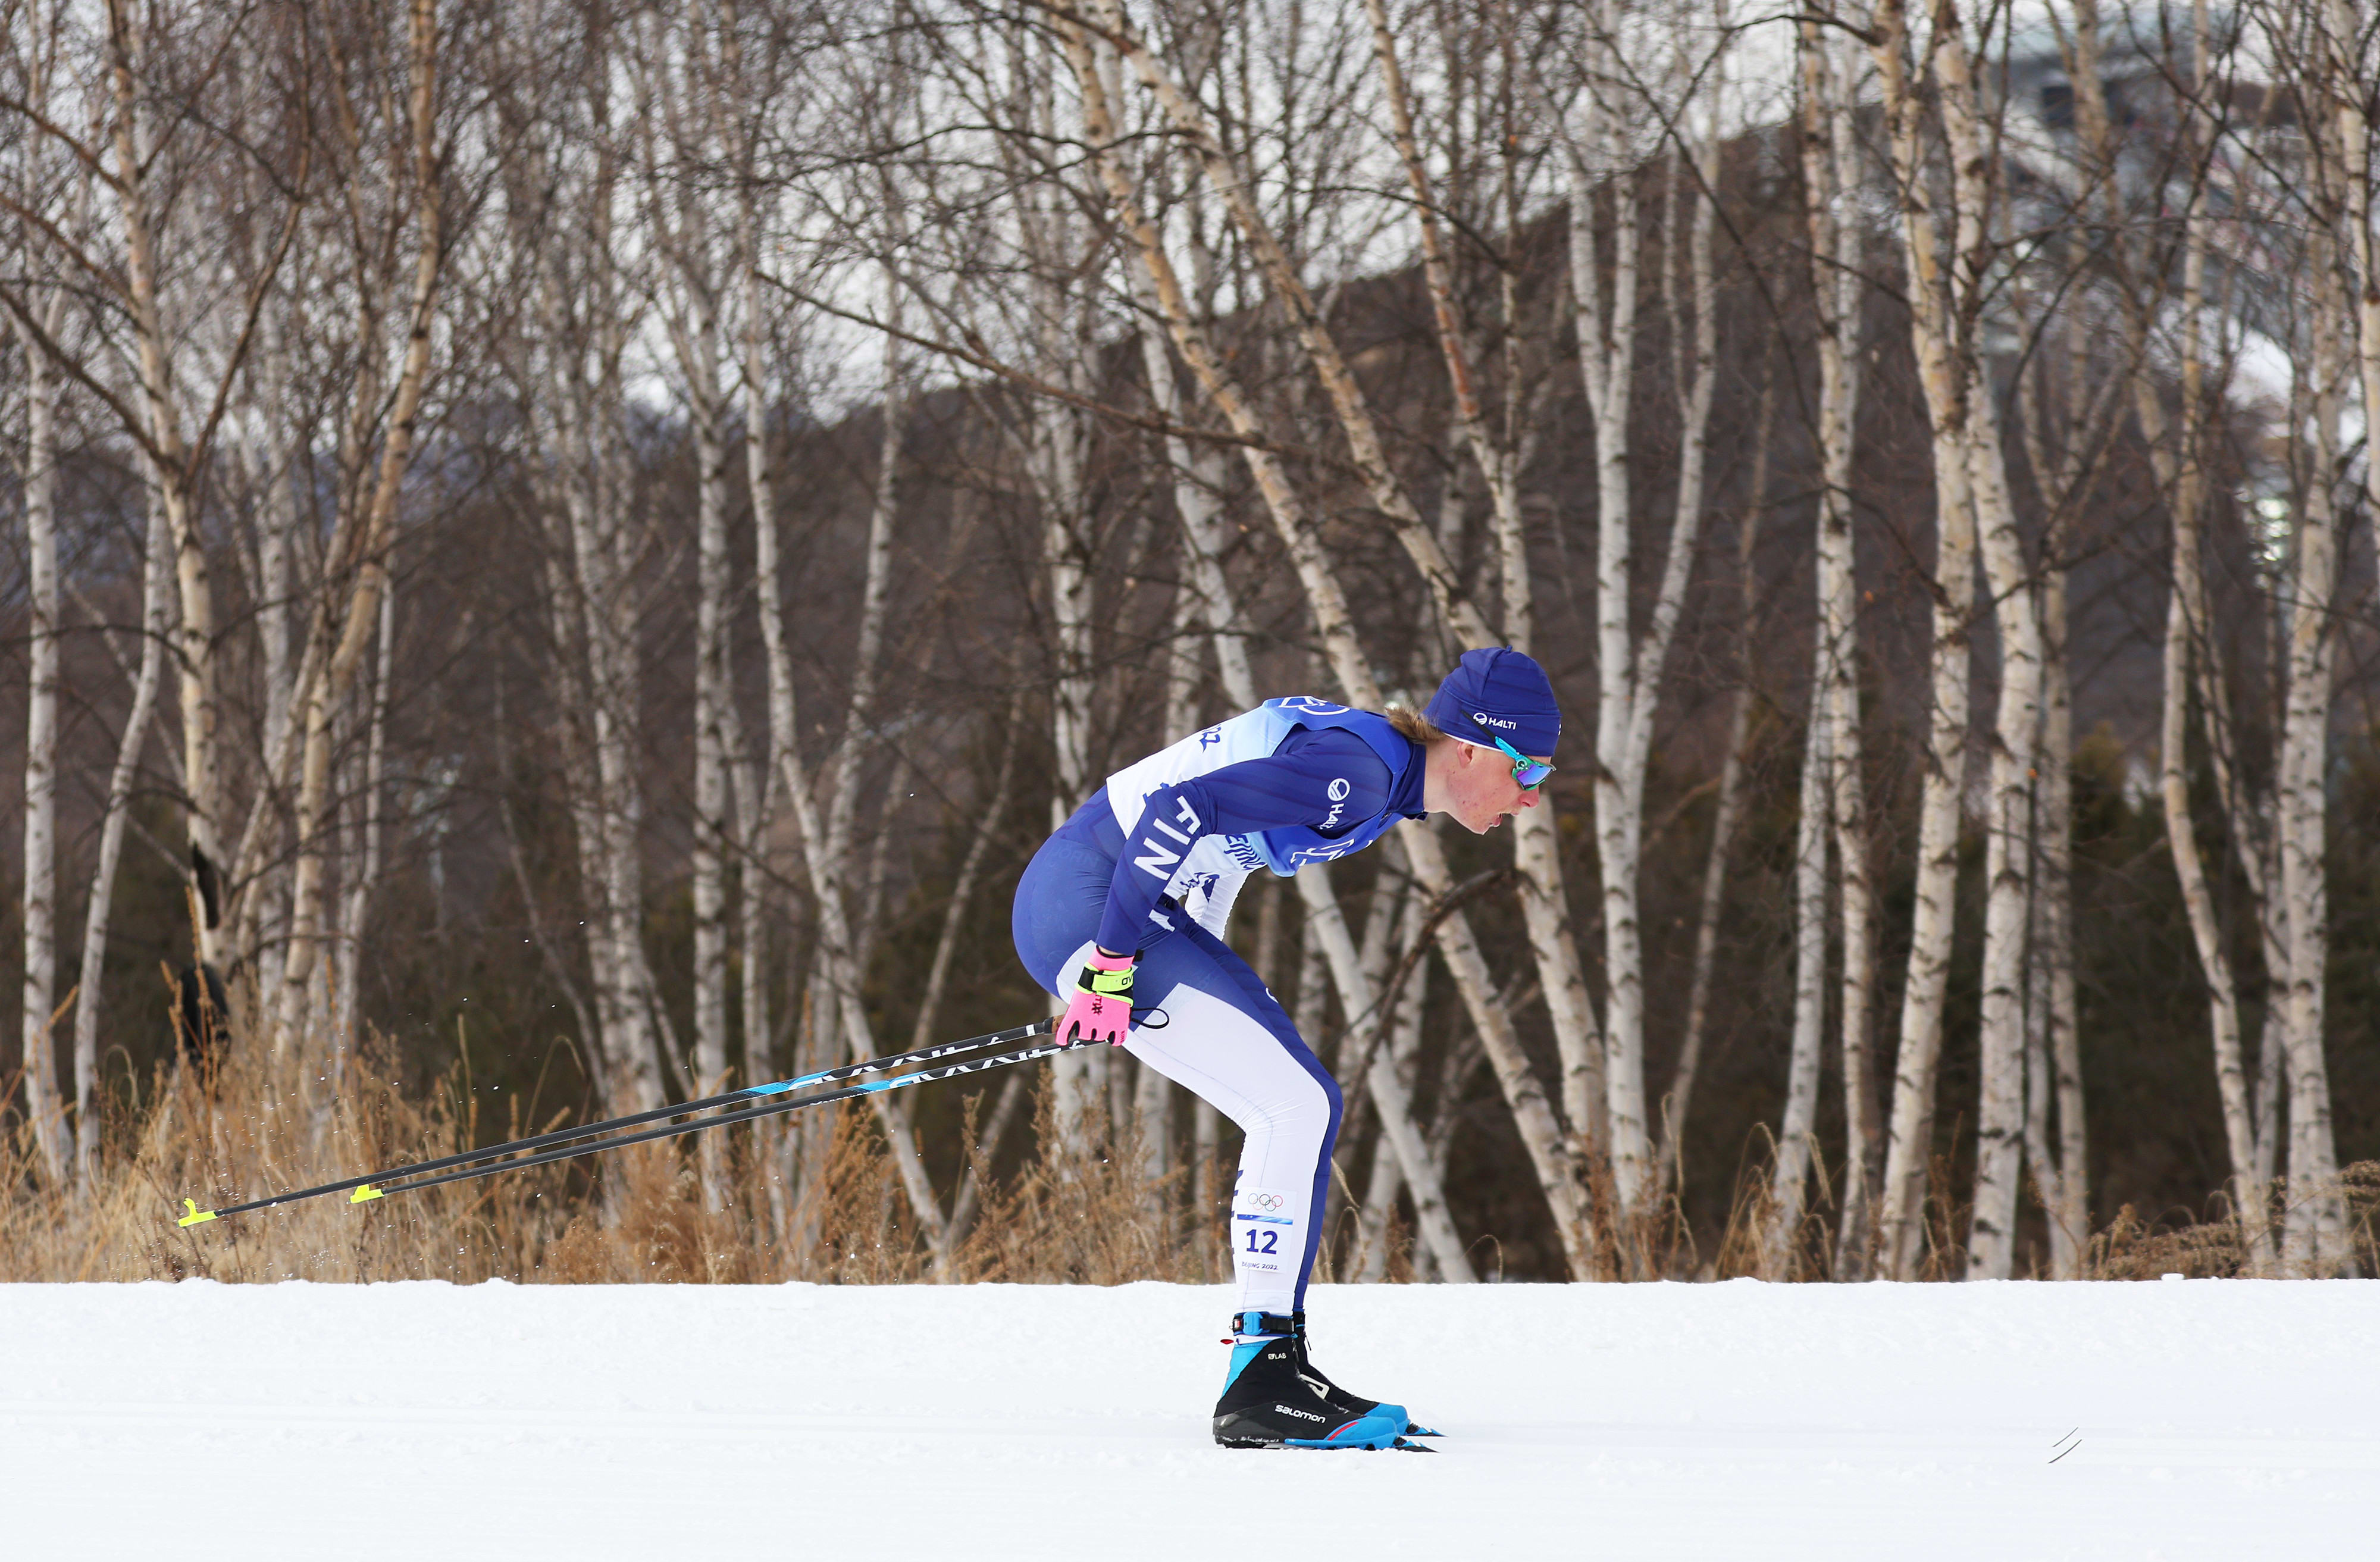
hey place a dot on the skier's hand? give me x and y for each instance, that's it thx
(1101, 1005)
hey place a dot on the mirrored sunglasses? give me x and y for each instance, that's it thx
(1527, 773)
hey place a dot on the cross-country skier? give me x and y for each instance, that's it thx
(1126, 906)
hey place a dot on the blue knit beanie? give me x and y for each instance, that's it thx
(1498, 693)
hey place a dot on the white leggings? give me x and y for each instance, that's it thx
(1224, 1037)
(1288, 1108)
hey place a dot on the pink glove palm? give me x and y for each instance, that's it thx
(1101, 1006)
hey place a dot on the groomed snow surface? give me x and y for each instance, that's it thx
(2199, 1419)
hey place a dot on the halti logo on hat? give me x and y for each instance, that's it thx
(1485, 720)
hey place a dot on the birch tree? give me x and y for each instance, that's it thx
(39, 178)
(2007, 853)
(98, 907)
(54, 1135)
(2339, 150)
(683, 85)
(2345, 284)
(565, 200)
(1909, 1152)
(148, 169)
(366, 527)
(1728, 816)
(366, 858)
(1501, 455)
(824, 837)
(1601, 145)
(1834, 814)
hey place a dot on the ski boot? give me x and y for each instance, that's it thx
(1269, 1403)
(1339, 1399)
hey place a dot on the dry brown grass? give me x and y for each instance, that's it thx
(253, 1130)
(2131, 1248)
(2180, 1242)
(641, 1214)
(625, 1216)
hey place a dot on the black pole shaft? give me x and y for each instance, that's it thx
(948, 1071)
(588, 1131)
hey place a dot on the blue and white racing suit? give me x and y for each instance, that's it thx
(1153, 863)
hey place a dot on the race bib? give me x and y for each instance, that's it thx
(1264, 1230)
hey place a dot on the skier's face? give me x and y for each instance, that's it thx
(1474, 786)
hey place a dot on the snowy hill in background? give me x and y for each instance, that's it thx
(424, 1422)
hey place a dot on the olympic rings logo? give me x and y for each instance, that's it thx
(1267, 1202)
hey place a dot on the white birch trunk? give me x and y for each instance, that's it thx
(364, 535)
(954, 917)
(687, 113)
(195, 642)
(2008, 862)
(1080, 1076)
(1669, 1158)
(2040, 1160)
(1389, 1095)
(265, 908)
(582, 305)
(1056, 444)
(1313, 1011)
(345, 1018)
(616, 692)
(713, 831)
(576, 675)
(837, 1010)
(277, 513)
(1909, 1151)
(1629, 667)
(1606, 338)
(1975, 172)
(1536, 847)
(155, 584)
(853, 768)
(2052, 1048)
(1847, 786)
(2250, 1196)
(1403, 1052)
(2052, 1054)
(1796, 1132)
(2351, 77)
(2317, 1235)
(1831, 175)
(753, 788)
(54, 1135)
(2313, 1234)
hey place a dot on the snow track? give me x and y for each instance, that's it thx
(2202, 1419)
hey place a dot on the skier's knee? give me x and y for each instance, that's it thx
(1311, 1114)
(1336, 1103)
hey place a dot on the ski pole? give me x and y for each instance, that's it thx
(196, 1216)
(571, 1151)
